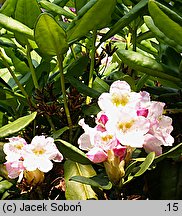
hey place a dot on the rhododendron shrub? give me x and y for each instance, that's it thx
(127, 120)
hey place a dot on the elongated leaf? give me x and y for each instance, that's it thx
(49, 35)
(7, 42)
(8, 7)
(172, 153)
(17, 125)
(100, 86)
(78, 67)
(170, 28)
(147, 65)
(160, 35)
(82, 88)
(15, 26)
(95, 182)
(79, 4)
(27, 12)
(97, 17)
(75, 190)
(59, 132)
(146, 164)
(55, 8)
(126, 19)
(71, 152)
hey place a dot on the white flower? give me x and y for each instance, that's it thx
(119, 97)
(39, 153)
(14, 148)
(129, 128)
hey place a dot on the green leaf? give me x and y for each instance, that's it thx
(82, 88)
(172, 153)
(100, 85)
(147, 65)
(75, 190)
(77, 67)
(80, 3)
(49, 36)
(71, 152)
(8, 7)
(126, 19)
(15, 26)
(2, 154)
(55, 8)
(95, 181)
(17, 125)
(27, 12)
(146, 164)
(5, 185)
(97, 17)
(170, 28)
(7, 42)
(58, 133)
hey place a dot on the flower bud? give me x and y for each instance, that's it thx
(114, 168)
(33, 178)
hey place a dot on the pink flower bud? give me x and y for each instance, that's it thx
(97, 155)
(142, 112)
(120, 151)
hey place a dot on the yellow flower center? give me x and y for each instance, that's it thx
(19, 146)
(120, 99)
(107, 138)
(124, 126)
(39, 151)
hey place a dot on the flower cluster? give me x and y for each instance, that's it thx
(126, 119)
(22, 157)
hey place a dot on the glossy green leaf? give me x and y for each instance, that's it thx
(100, 85)
(5, 185)
(170, 28)
(99, 182)
(15, 26)
(147, 65)
(55, 8)
(146, 164)
(20, 66)
(83, 88)
(174, 152)
(17, 125)
(75, 190)
(72, 152)
(78, 67)
(97, 17)
(27, 12)
(59, 132)
(79, 4)
(8, 7)
(160, 35)
(49, 36)
(126, 19)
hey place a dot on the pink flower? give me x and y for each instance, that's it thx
(120, 151)
(101, 121)
(15, 169)
(152, 144)
(97, 155)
